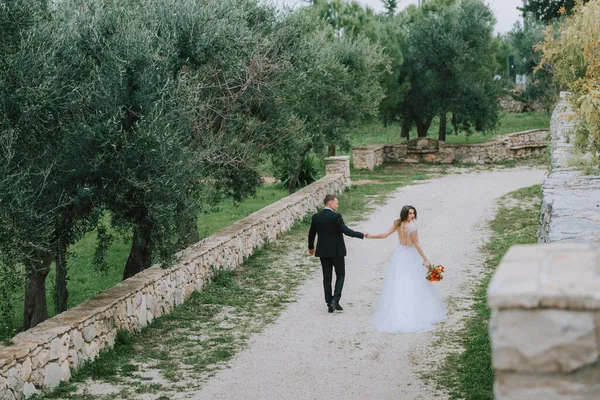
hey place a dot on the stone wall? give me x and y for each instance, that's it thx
(338, 165)
(368, 157)
(520, 145)
(47, 354)
(545, 324)
(545, 298)
(571, 201)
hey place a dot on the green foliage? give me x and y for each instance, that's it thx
(548, 10)
(326, 67)
(155, 110)
(523, 40)
(350, 19)
(501, 49)
(309, 172)
(571, 49)
(390, 6)
(449, 64)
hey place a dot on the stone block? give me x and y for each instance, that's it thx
(26, 369)
(54, 348)
(130, 308)
(141, 312)
(63, 349)
(189, 288)
(37, 377)
(52, 375)
(15, 379)
(121, 312)
(7, 395)
(89, 333)
(73, 359)
(93, 350)
(583, 385)
(100, 327)
(110, 339)
(65, 371)
(76, 339)
(30, 390)
(543, 340)
(150, 302)
(179, 296)
(515, 284)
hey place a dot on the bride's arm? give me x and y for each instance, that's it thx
(383, 235)
(415, 240)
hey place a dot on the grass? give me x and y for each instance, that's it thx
(468, 375)
(191, 343)
(86, 282)
(376, 133)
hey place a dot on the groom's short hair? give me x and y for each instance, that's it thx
(328, 198)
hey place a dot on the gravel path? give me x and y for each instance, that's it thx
(310, 354)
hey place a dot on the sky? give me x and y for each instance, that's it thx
(505, 10)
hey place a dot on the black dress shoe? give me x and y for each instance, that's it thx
(337, 307)
(330, 307)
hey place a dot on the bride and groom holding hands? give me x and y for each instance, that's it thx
(408, 302)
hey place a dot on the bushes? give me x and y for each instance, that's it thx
(309, 172)
(571, 50)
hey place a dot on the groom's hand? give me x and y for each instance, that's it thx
(366, 235)
(311, 252)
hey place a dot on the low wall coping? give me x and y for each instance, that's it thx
(558, 276)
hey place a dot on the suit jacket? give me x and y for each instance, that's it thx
(331, 229)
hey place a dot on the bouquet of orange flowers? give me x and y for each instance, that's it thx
(435, 273)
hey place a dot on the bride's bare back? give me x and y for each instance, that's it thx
(404, 233)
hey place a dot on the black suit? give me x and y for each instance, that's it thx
(330, 228)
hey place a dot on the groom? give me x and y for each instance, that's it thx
(330, 228)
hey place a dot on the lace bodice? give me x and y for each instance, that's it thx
(404, 233)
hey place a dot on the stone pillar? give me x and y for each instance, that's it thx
(338, 165)
(545, 324)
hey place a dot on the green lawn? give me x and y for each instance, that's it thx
(376, 133)
(85, 281)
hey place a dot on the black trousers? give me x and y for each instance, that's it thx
(328, 264)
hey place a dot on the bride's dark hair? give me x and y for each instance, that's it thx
(404, 215)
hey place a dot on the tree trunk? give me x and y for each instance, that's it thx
(406, 124)
(423, 127)
(61, 292)
(443, 124)
(294, 180)
(36, 308)
(405, 131)
(140, 255)
(331, 150)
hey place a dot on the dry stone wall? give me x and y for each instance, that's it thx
(545, 298)
(47, 354)
(571, 200)
(520, 145)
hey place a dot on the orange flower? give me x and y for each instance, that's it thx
(435, 273)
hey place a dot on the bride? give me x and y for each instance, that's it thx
(408, 301)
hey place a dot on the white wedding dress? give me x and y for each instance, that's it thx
(408, 303)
